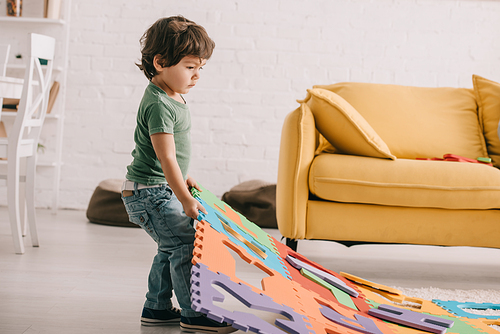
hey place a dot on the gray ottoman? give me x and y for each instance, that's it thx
(256, 200)
(106, 206)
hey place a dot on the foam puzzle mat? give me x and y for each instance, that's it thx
(294, 295)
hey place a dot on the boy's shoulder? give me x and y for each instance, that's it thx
(153, 95)
(158, 106)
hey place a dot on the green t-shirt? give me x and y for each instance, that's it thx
(159, 113)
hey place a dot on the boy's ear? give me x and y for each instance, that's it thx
(158, 63)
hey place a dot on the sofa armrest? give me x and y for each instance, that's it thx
(298, 144)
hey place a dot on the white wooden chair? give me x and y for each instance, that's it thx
(22, 141)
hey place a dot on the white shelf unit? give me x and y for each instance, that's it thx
(14, 31)
(32, 20)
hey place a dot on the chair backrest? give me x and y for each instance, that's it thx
(36, 88)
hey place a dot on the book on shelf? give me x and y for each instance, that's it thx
(54, 90)
(10, 104)
(53, 9)
(33, 8)
(3, 133)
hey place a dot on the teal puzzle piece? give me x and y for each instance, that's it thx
(457, 308)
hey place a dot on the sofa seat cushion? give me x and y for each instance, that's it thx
(418, 122)
(404, 182)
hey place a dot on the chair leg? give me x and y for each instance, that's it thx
(292, 243)
(22, 208)
(13, 203)
(30, 198)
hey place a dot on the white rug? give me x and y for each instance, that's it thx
(473, 296)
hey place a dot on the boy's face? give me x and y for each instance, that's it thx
(180, 78)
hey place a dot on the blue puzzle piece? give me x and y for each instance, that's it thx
(457, 308)
(272, 260)
(412, 319)
(203, 294)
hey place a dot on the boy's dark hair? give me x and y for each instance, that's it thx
(173, 38)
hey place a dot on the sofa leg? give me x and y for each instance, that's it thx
(292, 243)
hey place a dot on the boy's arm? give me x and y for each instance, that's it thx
(164, 146)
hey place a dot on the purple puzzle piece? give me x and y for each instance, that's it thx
(203, 294)
(329, 278)
(411, 319)
(368, 326)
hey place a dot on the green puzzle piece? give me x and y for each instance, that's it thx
(263, 238)
(342, 297)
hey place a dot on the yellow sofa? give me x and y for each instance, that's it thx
(348, 167)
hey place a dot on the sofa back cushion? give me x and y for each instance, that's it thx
(418, 122)
(488, 102)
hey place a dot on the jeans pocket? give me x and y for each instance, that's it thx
(142, 219)
(161, 198)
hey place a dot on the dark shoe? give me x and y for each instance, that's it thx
(152, 317)
(204, 325)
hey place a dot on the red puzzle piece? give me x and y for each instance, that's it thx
(457, 158)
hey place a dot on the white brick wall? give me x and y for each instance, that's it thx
(268, 53)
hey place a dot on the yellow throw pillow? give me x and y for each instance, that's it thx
(344, 127)
(488, 101)
(324, 146)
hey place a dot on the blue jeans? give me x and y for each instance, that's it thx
(159, 212)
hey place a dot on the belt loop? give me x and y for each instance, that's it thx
(135, 187)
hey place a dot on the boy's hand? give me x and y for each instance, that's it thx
(192, 208)
(191, 183)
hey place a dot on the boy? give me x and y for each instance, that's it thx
(156, 194)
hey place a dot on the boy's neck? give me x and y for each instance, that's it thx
(174, 95)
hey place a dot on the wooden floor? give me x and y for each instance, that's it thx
(88, 278)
